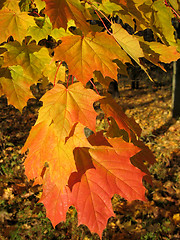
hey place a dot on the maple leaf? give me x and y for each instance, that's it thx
(115, 161)
(10, 4)
(14, 24)
(55, 201)
(44, 28)
(157, 52)
(66, 106)
(102, 172)
(16, 85)
(60, 11)
(46, 168)
(161, 22)
(86, 54)
(111, 108)
(128, 42)
(31, 57)
(90, 193)
(167, 54)
(60, 159)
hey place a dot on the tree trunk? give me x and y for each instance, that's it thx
(176, 90)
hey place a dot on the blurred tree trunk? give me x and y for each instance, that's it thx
(176, 90)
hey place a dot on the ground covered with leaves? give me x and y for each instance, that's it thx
(22, 217)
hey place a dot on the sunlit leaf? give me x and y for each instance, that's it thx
(67, 106)
(14, 24)
(84, 55)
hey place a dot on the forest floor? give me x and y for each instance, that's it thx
(22, 217)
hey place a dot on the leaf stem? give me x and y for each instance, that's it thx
(57, 73)
(99, 11)
(34, 12)
(94, 86)
(172, 9)
(96, 9)
(103, 22)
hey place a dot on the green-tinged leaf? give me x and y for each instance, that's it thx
(37, 33)
(40, 4)
(55, 73)
(31, 57)
(174, 4)
(16, 86)
(109, 7)
(58, 33)
(161, 22)
(44, 28)
(10, 4)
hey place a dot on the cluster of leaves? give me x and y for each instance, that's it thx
(67, 43)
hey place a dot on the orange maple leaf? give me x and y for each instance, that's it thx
(111, 108)
(66, 106)
(56, 201)
(60, 159)
(102, 172)
(86, 54)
